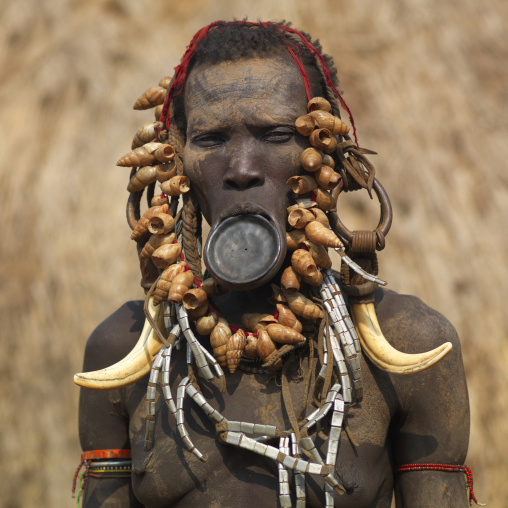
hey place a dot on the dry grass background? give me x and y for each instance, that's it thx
(426, 81)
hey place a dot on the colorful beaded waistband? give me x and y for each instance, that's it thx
(106, 454)
(103, 464)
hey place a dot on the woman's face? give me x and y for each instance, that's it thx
(242, 145)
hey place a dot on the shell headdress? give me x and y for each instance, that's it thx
(177, 302)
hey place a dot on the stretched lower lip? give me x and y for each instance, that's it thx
(247, 208)
(264, 216)
(243, 250)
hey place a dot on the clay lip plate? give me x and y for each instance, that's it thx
(242, 249)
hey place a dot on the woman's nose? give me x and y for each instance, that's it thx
(244, 171)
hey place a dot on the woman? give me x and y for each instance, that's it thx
(235, 114)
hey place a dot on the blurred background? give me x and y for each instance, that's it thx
(427, 83)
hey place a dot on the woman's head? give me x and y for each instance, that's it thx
(234, 101)
(229, 113)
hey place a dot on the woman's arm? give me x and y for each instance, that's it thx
(103, 416)
(432, 424)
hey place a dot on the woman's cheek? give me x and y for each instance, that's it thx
(190, 166)
(192, 169)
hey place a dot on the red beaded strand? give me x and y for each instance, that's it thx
(449, 468)
(84, 478)
(85, 474)
(75, 479)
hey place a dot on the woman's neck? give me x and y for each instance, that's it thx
(234, 304)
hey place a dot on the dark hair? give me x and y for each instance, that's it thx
(230, 41)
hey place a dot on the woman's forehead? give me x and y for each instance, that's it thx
(273, 81)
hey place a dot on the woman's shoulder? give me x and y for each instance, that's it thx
(410, 324)
(115, 336)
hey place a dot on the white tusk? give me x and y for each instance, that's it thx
(134, 366)
(382, 354)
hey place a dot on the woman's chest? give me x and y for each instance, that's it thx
(167, 473)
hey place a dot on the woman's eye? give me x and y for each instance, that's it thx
(209, 140)
(279, 135)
